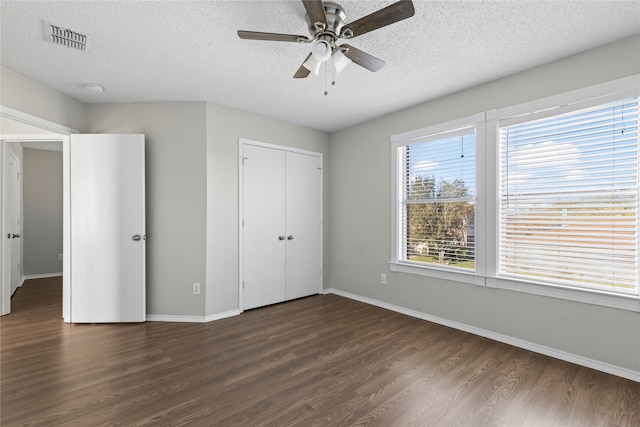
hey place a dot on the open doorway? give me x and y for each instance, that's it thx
(37, 145)
(34, 207)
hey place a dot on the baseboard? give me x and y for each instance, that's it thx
(548, 351)
(41, 276)
(191, 319)
(223, 315)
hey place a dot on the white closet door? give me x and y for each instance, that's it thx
(264, 226)
(303, 225)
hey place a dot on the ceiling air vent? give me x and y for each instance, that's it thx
(65, 37)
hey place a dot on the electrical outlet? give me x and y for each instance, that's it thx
(196, 288)
(383, 279)
(59, 257)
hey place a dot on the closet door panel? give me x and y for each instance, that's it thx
(264, 226)
(303, 222)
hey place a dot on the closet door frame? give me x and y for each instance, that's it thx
(241, 144)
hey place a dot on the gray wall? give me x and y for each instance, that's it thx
(176, 179)
(42, 212)
(192, 195)
(224, 127)
(29, 96)
(360, 239)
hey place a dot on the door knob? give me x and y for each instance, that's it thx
(289, 237)
(136, 237)
(15, 235)
(280, 237)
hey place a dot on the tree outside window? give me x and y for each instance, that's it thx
(439, 202)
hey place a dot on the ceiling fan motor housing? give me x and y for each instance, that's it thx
(336, 17)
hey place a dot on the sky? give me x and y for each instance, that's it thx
(446, 159)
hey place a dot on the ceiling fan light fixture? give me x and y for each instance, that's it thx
(340, 61)
(321, 50)
(312, 64)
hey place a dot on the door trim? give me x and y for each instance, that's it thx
(34, 121)
(241, 143)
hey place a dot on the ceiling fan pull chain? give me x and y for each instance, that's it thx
(333, 71)
(326, 92)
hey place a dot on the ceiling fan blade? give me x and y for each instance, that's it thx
(396, 12)
(315, 10)
(255, 35)
(302, 71)
(363, 59)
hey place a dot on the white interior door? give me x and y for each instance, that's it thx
(264, 228)
(303, 208)
(14, 220)
(107, 228)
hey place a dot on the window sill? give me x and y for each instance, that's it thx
(588, 296)
(457, 275)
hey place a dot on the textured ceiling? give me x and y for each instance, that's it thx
(188, 51)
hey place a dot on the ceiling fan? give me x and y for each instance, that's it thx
(326, 23)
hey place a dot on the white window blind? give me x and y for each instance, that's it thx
(568, 195)
(437, 206)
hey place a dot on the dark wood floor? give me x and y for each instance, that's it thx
(318, 361)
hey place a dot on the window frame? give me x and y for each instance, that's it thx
(507, 146)
(487, 127)
(456, 127)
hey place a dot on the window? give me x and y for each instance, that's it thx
(541, 197)
(437, 203)
(569, 198)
